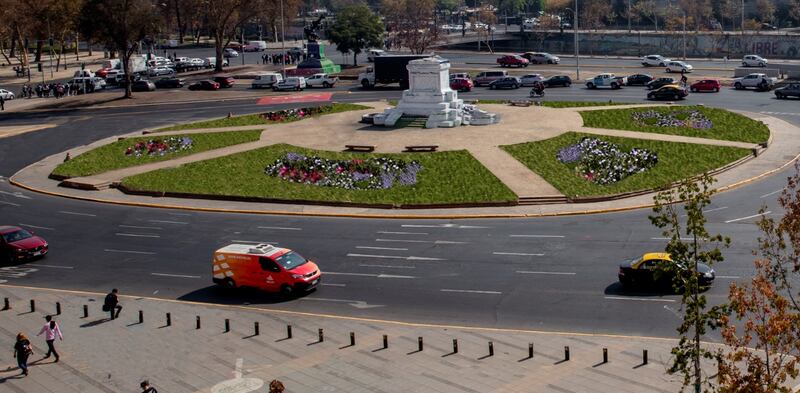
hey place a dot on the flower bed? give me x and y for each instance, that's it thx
(676, 118)
(353, 174)
(604, 162)
(159, 147)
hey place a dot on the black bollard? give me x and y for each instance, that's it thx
(491, 348)
(6, 304)
(33, 305)
(605, 355)
(85, 311)
(227, 325)
(197, 326)
(455, 345)
(352, 339)
(566, 353)
(141, 316)
(256, 330)
(385, 341)
(288, 331)
(530, 350)
(58, 308)
(644, 356)
(419, 341)
(321, 338)
(169, 319)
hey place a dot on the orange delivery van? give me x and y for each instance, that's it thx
(264, 267)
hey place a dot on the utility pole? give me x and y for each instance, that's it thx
(684, 35)
(577, 53)
(242, 44)
(742, 25)
(629, 16)
(283, 43)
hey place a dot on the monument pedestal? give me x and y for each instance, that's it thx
(316, 62)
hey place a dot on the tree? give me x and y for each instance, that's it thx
(356, 28)
(412, 23)
(124, 24)
(224, 17)
(647, 9)
(509, 7)
(596, 14)
(693, 195)
(766, 10)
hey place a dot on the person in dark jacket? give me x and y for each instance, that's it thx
(146, 388)
(111, 304)
(22, 350)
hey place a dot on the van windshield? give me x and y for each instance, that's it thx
(291, 260)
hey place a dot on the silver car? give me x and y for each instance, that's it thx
(7, 95)
(530, 79)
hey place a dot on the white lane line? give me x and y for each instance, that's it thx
(471, 291)
(10, 203)
(553, 273)
(253, 241)
(129, 251)
(37, 227)
(686, 239)
(443, 226)
(382, 248)
(51, 266)
(639, 299)
(542, 236)
(137, 234)
(328, 284)
(411, 258)
(748, 217)
(76, 213)
(140, 227)
(283, 228)
(388, 266)
(420, 241)
(367, 275)
(180, 214)
(771, 193)
(402, 233)
(169, 222)
(730, 277)
(16, 194)
(173, 275)
(518, 254)
(421, 226)
(716, 209)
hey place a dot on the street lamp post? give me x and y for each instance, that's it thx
(742, 25)
(283, 43)
(684, 35)
(575, 34)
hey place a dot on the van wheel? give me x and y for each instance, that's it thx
(228, 283)
(287, 290)
(326, 85)
(365, 83)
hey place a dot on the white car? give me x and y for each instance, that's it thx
(541, 58)
(297, 83)
(197, 62)
(759, 81)
(7, 95)
(679, 66)
(228, 52)
(655, 61)
(373, 53)
(530, 79)
(158, 71)
(321, 80)
(754, 61)
(267, 79)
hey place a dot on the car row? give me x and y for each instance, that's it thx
(501, 79)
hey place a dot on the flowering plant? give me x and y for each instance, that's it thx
(354, 174)
(675, 118)
(289, 115)
(159, 147)
(604, 162)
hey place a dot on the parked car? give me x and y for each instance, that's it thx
(224, 80)
(668, 92)
(756, 80)
(651, 270)
(204, 85)
(211, 62)
(767, 26)
(754, 61)
(541, 58)
(461, 84)
(321, 80)
(658, 82)
(530, 79)
(228, 52)
(655, 61)
(143, 85)
(297, 83)
(7, 95)
(486, 77)
(460, 75)
(790, 90)
(604, 80)
(373, 53)
(679, 66)
(705, 85)
(158, 71)
(169, 83)
(638, 79)
(509, 82)
(558, 80)
(512, 61)
(18, 244)
(266, 80)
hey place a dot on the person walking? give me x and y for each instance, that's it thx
(2, 103)
(112, 303)
(51, 331)
(22, 350)
(146, 388)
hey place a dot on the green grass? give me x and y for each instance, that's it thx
(727, 125)
(580, 104)
(256, 118)
(112, 156)
(446, 177)
(675, 161)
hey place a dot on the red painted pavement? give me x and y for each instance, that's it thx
(295, 98)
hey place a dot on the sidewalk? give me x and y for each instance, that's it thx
(114, 356)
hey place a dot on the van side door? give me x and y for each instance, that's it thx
(270, 277)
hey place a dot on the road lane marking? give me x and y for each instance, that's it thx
(771, 193)
(129, 251)
(140, 227)
(420, 241)
(382, 248)
(16, 194)
(169, 222)
(748, 217)
(367, 275)
(173, 275)
(402, 233)
(471, 291)
(137, 234)
(76, 213)
(254, 241)
(730, 277)
(330, 284)
(283, 228)
(355, 303)
(37, 227)
(51, 266)
(10, 203)
(639, 299)
(685, 239)
(443, 226)
(411, 258)
(388, 266)
(180, 214)
(542, 236)
(518, 254)
(716, 209)
(553, 273)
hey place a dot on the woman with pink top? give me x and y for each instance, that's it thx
(51, 330)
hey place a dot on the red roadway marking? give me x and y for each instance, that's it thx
(296, 98)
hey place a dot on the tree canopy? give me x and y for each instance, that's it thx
(356, 28)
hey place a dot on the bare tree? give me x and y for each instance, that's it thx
(224, 17)
(412, 23)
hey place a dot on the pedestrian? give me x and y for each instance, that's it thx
(276, 386)
(112, 303)
(2, 103)
(146, 388)
(22, 350)
(684, 79)
(51, 331)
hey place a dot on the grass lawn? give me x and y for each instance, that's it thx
(675, 161)
(112, 156)
(446, 177)
(726, 125)
(580, 104)
(256, 118)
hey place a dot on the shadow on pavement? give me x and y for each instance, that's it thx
(216, 295)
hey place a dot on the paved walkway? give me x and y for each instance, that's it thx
(98, 355)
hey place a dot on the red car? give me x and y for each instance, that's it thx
(705, 85)
(224, 81)
(102, 72)
(204, 85)
(19, 244)
(512, 61)
(461, 84)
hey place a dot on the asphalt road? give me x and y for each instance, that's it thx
(549, 273)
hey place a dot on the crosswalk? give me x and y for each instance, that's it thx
(780, 113)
